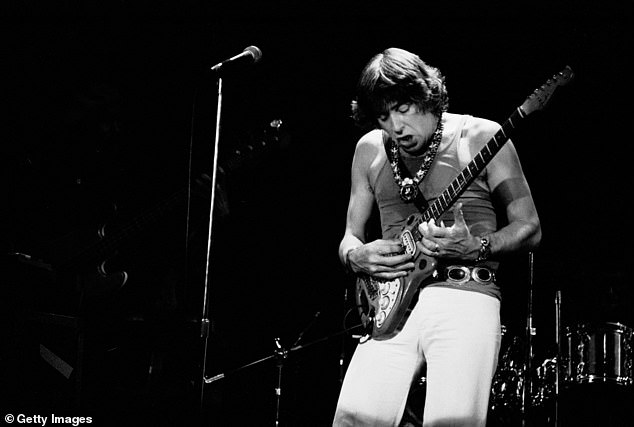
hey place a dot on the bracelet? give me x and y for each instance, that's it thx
(485, 249)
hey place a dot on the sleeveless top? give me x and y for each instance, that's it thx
(453, 155)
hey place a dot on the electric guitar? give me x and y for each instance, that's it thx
(382, 304)
(88, 255)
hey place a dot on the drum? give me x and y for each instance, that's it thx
(545, 383)
(598, 353)
(508, 382)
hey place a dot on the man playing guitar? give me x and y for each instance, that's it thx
(453, 323)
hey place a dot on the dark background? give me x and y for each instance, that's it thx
(112, 104)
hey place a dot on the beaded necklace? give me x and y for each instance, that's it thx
(408, 187)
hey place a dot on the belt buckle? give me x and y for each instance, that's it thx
(482, 275)
(460, 274)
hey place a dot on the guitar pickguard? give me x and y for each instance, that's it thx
(382, 296)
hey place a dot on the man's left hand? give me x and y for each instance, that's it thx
(447, 242)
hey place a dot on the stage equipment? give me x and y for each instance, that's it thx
(598, 353)
(250, 55)
(255, 54)
(280, 355)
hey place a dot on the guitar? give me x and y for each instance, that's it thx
(89, 254)
(382, 304)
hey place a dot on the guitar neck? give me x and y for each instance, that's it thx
(105, 246)
(249, 152)
(142, 222)
(472, 170)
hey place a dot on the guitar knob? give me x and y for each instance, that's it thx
(384, 302)
(380, 318)
(384, 287)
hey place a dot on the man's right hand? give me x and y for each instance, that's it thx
(383, 259)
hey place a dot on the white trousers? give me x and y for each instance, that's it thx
(457, 334)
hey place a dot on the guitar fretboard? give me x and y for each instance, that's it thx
(471, 171)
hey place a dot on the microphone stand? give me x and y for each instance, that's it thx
(527, 383)
(205, 323)
(281, 354)
(559, 354)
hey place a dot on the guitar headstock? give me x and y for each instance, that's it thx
(252, 147)
(538, 99)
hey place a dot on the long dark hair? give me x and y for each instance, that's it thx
(393, 77)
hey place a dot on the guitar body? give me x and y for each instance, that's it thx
(383, 304)
(105, 279)
(95, 281)
(86, 258)
(88, 255)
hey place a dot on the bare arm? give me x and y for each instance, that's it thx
(361, 199)
(374, 258)
(511, 191)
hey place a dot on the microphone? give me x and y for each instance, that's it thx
(251, 54)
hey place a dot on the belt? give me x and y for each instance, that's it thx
(460, 274)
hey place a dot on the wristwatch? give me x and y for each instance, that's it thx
(485, 249)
